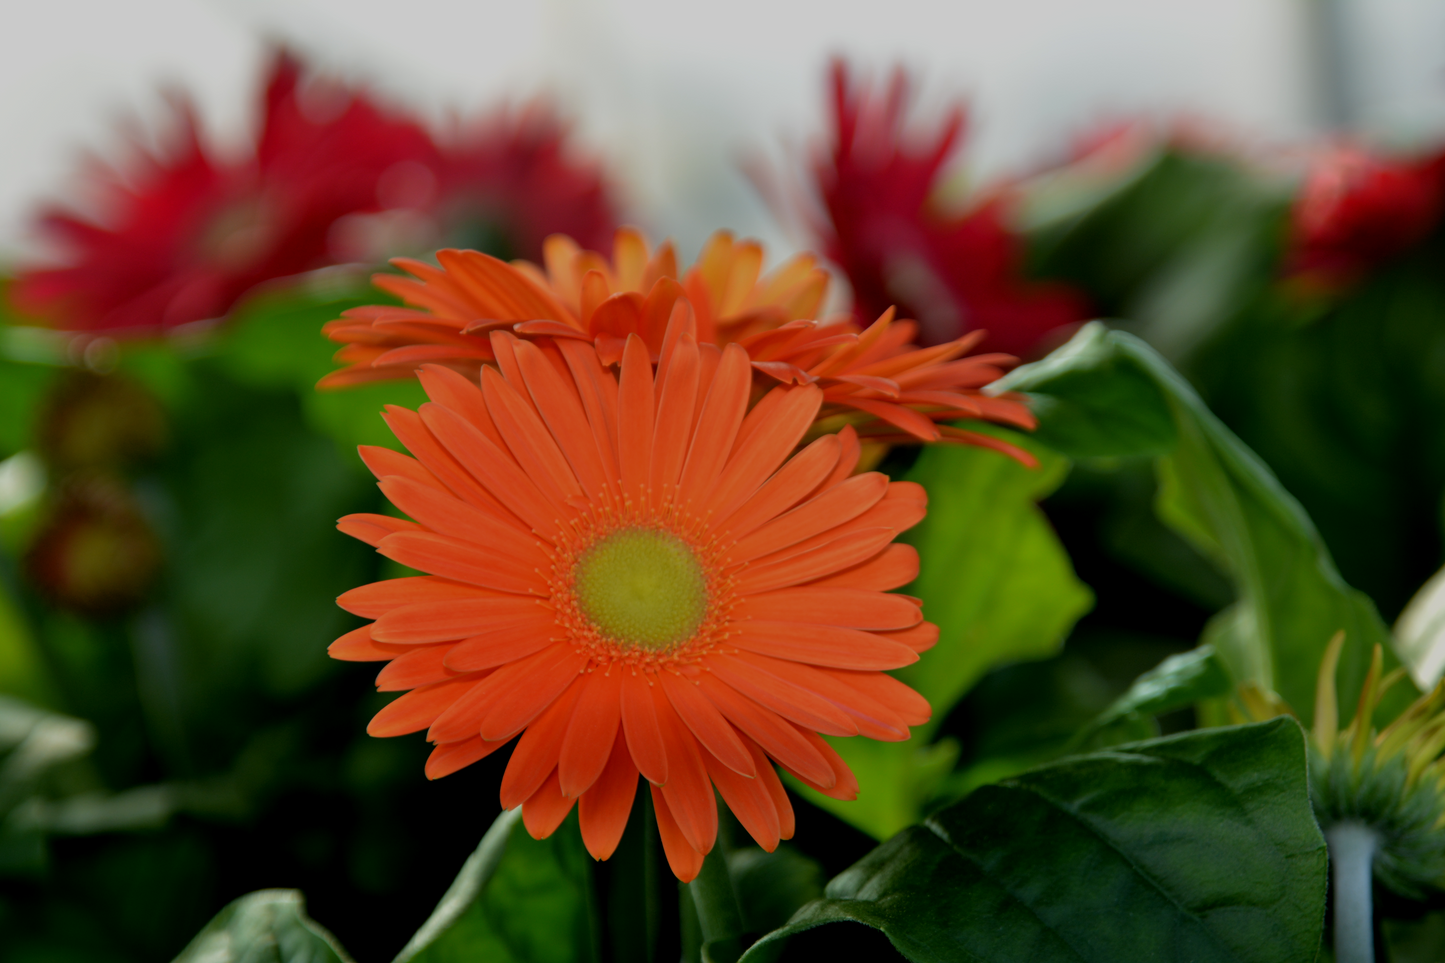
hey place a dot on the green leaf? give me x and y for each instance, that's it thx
(267, 926)
(516, 899)
(1217, 494)
(1199, 847)
(1179, 681)
(993, 575)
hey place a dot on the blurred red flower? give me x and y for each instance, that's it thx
(334, 177)
(1357, 211)
(954, 273)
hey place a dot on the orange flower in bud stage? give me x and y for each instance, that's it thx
(637, 574)
(875, 379)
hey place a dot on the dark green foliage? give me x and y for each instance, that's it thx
(1198, 847)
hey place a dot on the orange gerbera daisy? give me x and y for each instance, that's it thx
(637, 574)
(876, 378)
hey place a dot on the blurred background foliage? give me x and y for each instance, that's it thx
(173, 736)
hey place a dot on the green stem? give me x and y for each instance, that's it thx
(1352, 856)
(717, 909)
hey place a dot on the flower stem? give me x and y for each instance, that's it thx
(717, 909)
(1352, 856)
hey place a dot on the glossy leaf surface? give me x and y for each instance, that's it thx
(1217, 494)
(1198, 847)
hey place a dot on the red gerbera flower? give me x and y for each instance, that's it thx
(1357, 211)
(509, 180)
(185, 235)
(636, 574)
(954, 273)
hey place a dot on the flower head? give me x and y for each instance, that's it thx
(1357, 211)
(634, 573)
(184, 235)
(955, 273)
(1390, 781)
(876, 379)
(333, 177)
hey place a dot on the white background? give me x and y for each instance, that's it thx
(675, 95)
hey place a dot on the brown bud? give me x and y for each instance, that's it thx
(94, 554)
(95, 421)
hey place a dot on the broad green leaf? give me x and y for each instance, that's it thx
(516, 899)
(1200, 847)
(1000, 587)
(267, 926)
(1217, 494)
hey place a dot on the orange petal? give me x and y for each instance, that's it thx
(678, 395)
(376, 599)
(528, 438)
(688, 791)
(384, 461)
(894, 567)
(412, 431)
(417, 666)
(494, 468)
(911, 707)
(684, 861)
(843, 785)
(448, 757)
(831, 606)
(450, 620)
(640, 723)
(749, 800)
(603, 809)
(767, 436)
(592, 732)
(418, 708)
(873, 718)
(464, 718)
(535, 757)
(844, 552)
(718, 423)
(841, 503)
(747, 673)
(357, 646)
(714, 732)
(462, 562)
(519, 704)
(792, 483)
(545, 809)
(635, 417)
(597, 390)
(829, 645)
(920, 638)
(505, 642)
(452, 390)
(561, 408)
(371, 529)
(450, 516)
(778, 737)
(768, 777)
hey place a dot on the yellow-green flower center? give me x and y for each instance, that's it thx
(642, 586)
